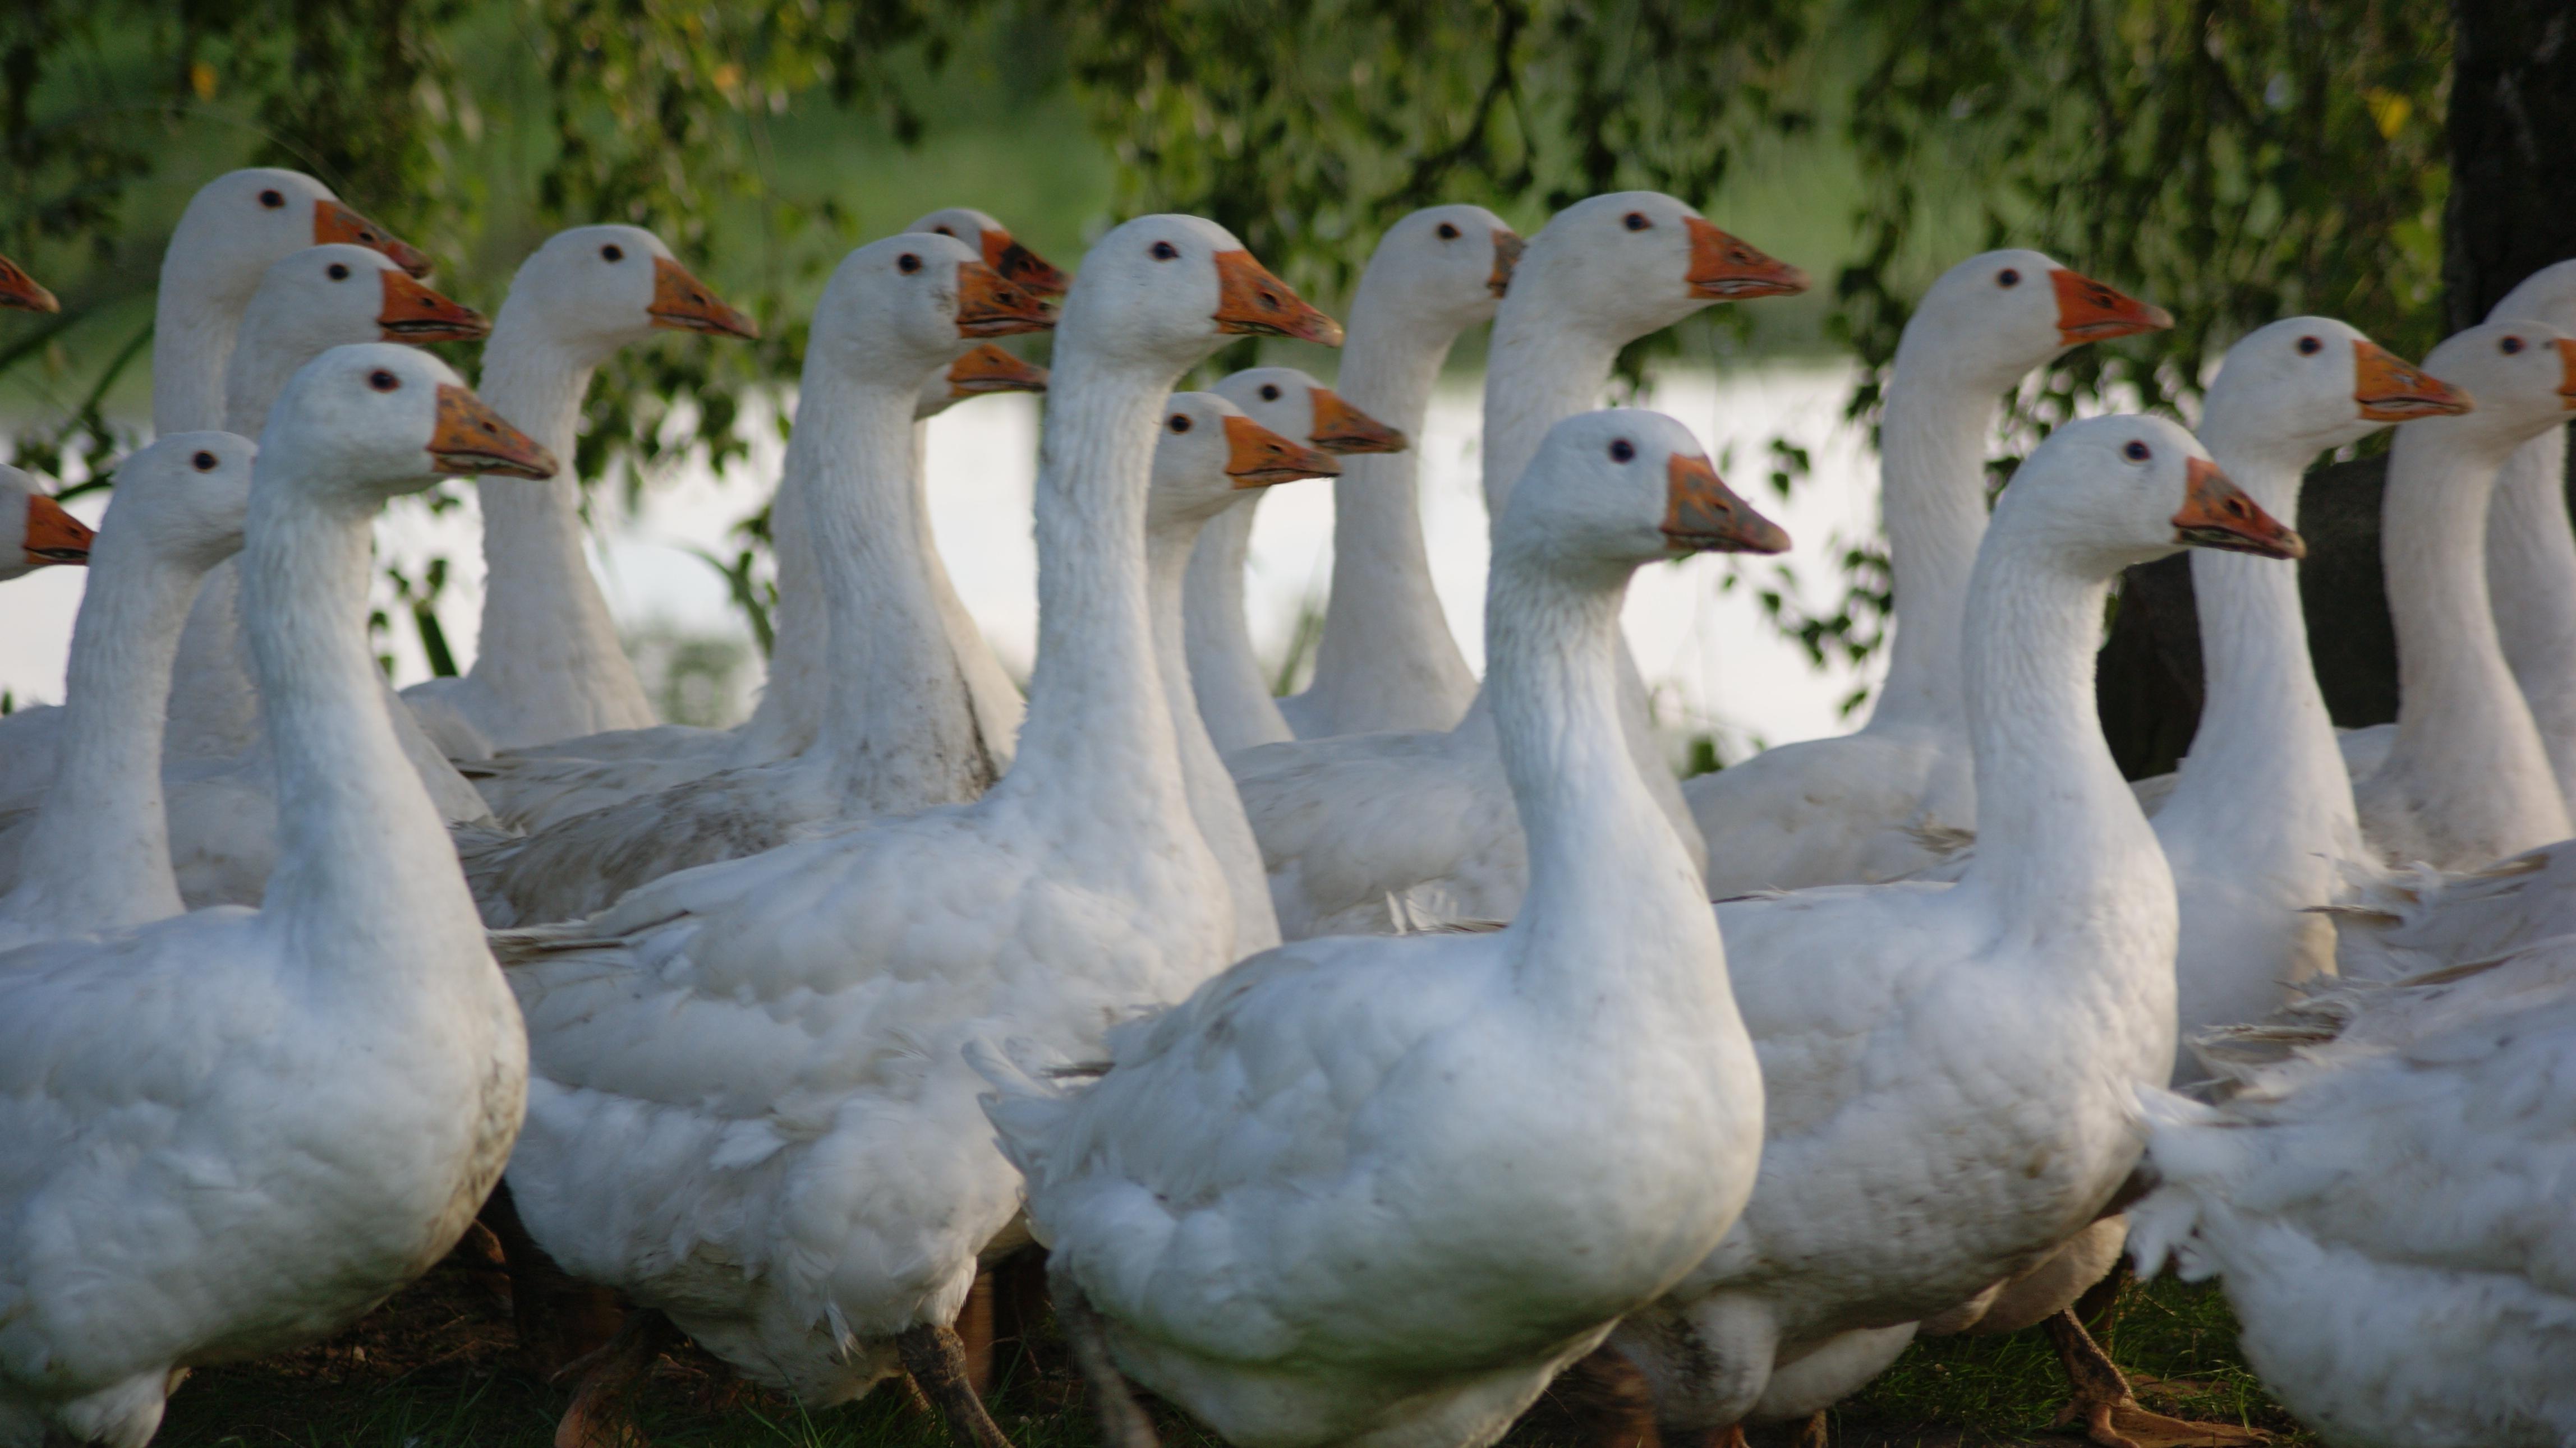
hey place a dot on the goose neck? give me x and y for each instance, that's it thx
(1538, 372)
(194, 320)
(214, 706)
(99, 854)
(1214, 803)
(900, 734)
(1932, 486)
(2531, 579)
(1098, 739)
(363, 859)
(2058, 830)
(1234, 698)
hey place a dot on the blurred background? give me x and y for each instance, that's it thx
(2377, 160)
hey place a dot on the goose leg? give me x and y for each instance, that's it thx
(602, 1414)
(1815, 1434)
(937, 1361)
(1123, 1423)
(2110, 1413)
(975, 1333)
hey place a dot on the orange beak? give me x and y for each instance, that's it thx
(2088, 311)
(1508, 247)
(335, 222)
(683, 303)
(471, 438)
(2216, 514)
(988, 306)
(2391, 390)
(1342, 428)
(414, 313)
(19, 290)
(1252, 302)
(1022, 267)
(1703, 515)
(990, 369)
(1727, 269)
(1256, 457)
(2567, 373)
(53, 535)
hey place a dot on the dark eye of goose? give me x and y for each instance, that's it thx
(1446, 232)
(2137, 452)
(1180, 422)
(907, 263)
(2511, 345)
(1165, 251)
(612, 252)
(1270, 392)
(1622, 450)
(2008, 277)
(1636, 221)
(271, 199)
(383, 381)
(2310, 346)
(944, 231)
(205, 462)
(337, 271)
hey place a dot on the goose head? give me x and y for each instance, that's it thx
(2107, 493)
(992, 242)
(240, 222)
(184, 496)
(2304, 384)
(368, 421)
(1614, 489)
(912, 305)
(1621, 265)
(595, 290)
(2547, 295)
(19, 291)
(1162, 292)
(323, 296)
(1209, 454)
(984, 370)
(1443, 268)
(2523, 375)
(1992, 318)
(1289, 402)
(35, 531)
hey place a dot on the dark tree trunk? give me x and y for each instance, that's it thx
(2513, 148)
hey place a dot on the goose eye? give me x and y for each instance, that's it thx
(205, 462)
(383, 381)
(1622, 450)
(1270, 392)
(2008, 277)
(1636, 221)
(2309, 346)
(2511, 345)
(944, 231)
(1165, 251)
(2137, 452)
(1446, 232)
(907, 263)
(612, 252)
(337, 271)
(271, 199)
(1180, 422)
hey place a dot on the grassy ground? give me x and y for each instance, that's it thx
(435, 1369)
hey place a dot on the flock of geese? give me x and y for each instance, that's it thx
(1361, 1059)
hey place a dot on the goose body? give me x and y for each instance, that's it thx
(1361, 832)
(1313, 1209)
(904, 735)
(232, 1132)
(1951, 1069)
(1863, 807)
(803, 1192)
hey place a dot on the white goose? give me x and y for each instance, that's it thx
(234, 228)
(94, 854)
(1858, 807)
(1364, 832)
(2466, 780)
(1210, 455)
(2531, 552)
(1233, 696)
(229, 1133)
(806, 1193)
(2388, 1207)
(1951, 1069)
(902, 736)
(1386, 658)
(1316, 1209)
(547, 663)
(35, 531)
